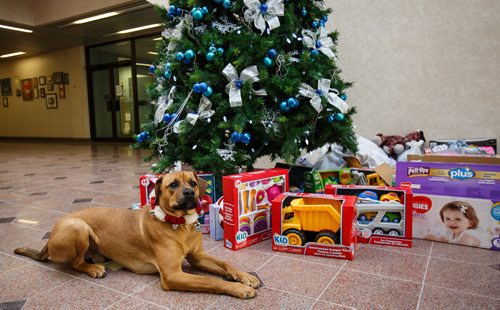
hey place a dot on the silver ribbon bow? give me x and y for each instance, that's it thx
(323, 91)
(233, 88)
(175, 34)
(204, 111)
(319, 40)
(262, 13)
(163, 104)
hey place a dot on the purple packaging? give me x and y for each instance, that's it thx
(454, 202)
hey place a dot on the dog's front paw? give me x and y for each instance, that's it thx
(243, 291)
(96, 271)
(249, 280)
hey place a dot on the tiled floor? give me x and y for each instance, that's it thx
(40, 183)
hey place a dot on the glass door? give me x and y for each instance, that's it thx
(112, 97)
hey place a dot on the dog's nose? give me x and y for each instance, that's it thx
(188, 192)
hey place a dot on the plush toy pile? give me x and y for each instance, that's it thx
(398, 147)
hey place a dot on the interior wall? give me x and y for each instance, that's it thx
(32, 118)
(432, 65)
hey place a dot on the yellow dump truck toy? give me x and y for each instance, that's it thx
(312, 216)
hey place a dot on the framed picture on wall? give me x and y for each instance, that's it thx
(35, 93)
(42, 80)
(35, 82)
(51, 101)
(5, 102)
(27, 87)
(17, 86)
(50, 87)
(66, 78)
(49, 78)
(42, 92)
(5, 86)
(57, 77)
(62, 91)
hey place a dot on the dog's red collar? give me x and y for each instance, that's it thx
(160, 215)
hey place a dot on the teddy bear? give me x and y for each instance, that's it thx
(392, 145)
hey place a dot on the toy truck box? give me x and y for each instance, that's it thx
(147, 184)
(316, 181)
(455, 202)
(384, 214)
(315, 224)
(247, 205)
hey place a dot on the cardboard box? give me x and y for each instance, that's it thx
(384, 214)
(216, 222)
(247, 205)
(147, 184)
(316, 181)
(448, 193)
(315, 224)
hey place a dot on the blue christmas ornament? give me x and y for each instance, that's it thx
(268, 61)
(167, 66)
(263, 8)
(167, 74)
(152, 69)
(197, 14)
(146, 133)
(197, 88)
(173, 115)
(203, 87)
(343, 96)
(304, 11)
(167, 118)
(292, 102)
(139, 138)
(315, 24)
(189, 54)
(178, 11)
(220, 51)
(227, 4)
(171, 9)
(212, 49)
(238, 83)
(324, 18)
(179, 56)
(210, 56)
(204, 10)
(314, 53)
(318, 44)
(272, 53)
(208, 92)
(330, 119)
(339, 117)
(246, 138)
(284, 106)
(235, 137)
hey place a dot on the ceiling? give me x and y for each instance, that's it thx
(61, 34)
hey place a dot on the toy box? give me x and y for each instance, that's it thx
(247, 205)
(384, 214)
(147, 184)
(455, 202)
(315, 224)
(216, 222)
(316, 181)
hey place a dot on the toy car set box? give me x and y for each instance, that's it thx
(455, 202)
(147, 184)
(384, 214)
(247, 205)
(316, 181)
(315, 224)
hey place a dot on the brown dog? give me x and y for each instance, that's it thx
(154, 239)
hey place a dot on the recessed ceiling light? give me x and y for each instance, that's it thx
(93, 18)
(12, 54)
(139, 28)
(16, 28)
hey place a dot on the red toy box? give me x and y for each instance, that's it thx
(147, 184)
(384, 214)
(247, 205)
(315, 224)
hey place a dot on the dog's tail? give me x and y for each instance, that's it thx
(40, 256)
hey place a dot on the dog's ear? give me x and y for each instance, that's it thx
(202, 184)
(159, 181)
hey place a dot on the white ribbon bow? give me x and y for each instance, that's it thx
(163, 104)
(319, 41)
(233, 88)
(175, 34)
(204, 111)
(262, 13)
(322, 91)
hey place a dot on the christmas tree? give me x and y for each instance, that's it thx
(239, 79)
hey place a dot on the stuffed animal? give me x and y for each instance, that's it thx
(392, 145)
(413, 147)
(415, 136)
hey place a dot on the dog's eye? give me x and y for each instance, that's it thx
(173, 185)
(193, 183)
